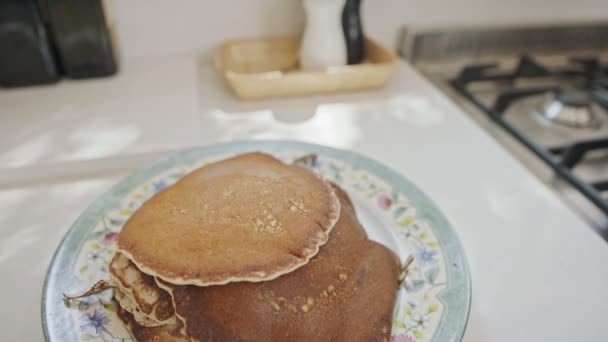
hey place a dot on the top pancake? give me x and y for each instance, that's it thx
(247, 218)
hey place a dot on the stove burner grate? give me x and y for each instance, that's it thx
(579, 109)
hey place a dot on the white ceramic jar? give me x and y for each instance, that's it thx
(323, 44)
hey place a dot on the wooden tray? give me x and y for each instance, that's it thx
(268, 67)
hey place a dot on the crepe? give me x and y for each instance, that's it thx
(345, 293)
(247, 218)
(166, 333)
(137, 293)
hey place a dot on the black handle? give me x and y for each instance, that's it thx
(353, 31)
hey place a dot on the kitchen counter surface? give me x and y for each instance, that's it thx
(538, 272)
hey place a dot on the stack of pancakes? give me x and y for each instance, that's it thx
(252, 249)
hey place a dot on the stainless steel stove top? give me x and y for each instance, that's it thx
(541, 91)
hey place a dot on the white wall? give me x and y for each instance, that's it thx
(161, 27)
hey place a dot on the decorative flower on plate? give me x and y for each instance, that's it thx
(96, 321)
(401, 338)
(159, 185)
(384, 201)
(425, 256)
(420, 320)
(109, 239)
(96, 257)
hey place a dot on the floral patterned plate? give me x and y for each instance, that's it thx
(432, 304)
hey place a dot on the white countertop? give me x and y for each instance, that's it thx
(538, 272)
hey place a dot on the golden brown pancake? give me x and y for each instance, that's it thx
(345, 293)
(139, 294)
(247, 218)
(165, 333)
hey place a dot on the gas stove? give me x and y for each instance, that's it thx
(541, 91)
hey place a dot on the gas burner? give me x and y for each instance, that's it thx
(575, 109)
(553, 98)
